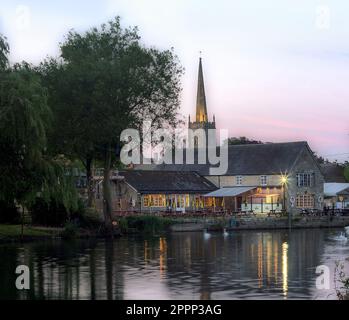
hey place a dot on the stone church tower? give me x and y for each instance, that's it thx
(201, 121)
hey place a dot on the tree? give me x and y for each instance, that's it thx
(26, 171)
(111, 82)
(4, 51)
(346, 171)
(242, 141)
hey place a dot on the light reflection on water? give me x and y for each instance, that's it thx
(244, 265)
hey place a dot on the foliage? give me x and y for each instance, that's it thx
(90, 218)
(48, 213)
(14, 231)
(242, 141)
(346, 172)
(26, 170)
(70, 231)
(145, 224)
(4, 51)
(75, 107)
(106, 81)
(342, 280)
(9, 213)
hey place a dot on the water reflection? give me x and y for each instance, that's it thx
(244, 265)
(285, 268)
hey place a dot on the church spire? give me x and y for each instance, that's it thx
(201, 108)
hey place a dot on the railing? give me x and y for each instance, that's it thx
(172, 214)
(195, 214)
(265, 208)
(327, 212)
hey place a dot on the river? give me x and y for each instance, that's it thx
(240, 265)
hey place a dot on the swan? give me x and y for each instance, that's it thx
(225, 233)
(342, 237)
(347, 230)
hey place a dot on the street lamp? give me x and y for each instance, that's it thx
(284, 182)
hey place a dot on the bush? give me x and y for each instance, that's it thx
(70, 231)
(9, 213)
(51, 214)
(145, 224)
(89, 218)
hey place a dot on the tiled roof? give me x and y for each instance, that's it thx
(167, 181)
(270, 158)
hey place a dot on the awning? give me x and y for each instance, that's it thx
(334, 189)
(229, 192)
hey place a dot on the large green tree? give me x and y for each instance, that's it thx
(105, 81)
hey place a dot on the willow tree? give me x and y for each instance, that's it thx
(4, 51)
(112, 82)
(26, 170)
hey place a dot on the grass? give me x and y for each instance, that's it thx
(14, 231)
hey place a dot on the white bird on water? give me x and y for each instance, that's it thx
(206, 235)
(342, 237)
(347, 230)
(225, 233)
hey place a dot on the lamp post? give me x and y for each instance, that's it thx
(284, 181)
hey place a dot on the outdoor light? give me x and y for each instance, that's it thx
(284, 182)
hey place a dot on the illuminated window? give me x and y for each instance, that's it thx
(199, 203)
(154, 200)
(158, 200)
(271, 199)
(146, 201)
(305, 201)
(208, 202)
(239, 180)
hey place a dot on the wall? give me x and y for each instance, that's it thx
(305, 164)
(269, 223)
(247, 180)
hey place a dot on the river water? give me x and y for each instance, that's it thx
(241, 265)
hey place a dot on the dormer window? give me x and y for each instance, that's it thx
(239, 180)
(263, 180)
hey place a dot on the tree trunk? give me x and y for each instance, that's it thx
(89, 181)
(107, 200)
(22, 223)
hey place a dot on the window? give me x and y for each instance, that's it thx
(305, 179)
(239, 180)
(182, 201)
(305, 201)
(146, 201)
(154, 200)
(208, 201)
(263, 180)
(158, 200)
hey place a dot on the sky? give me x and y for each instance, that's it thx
(274, 71)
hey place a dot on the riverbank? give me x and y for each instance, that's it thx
(157, 225)
(256, 223)
(13, 233)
